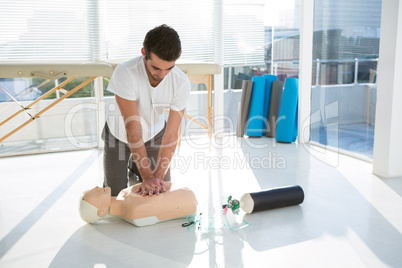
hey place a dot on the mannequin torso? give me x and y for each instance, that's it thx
(147, 210)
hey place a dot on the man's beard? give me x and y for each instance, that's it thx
(155, 78)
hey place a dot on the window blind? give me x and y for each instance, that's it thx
(45, 30)
(224, 32)
(244, 32)
(347, 29)
(125, 24)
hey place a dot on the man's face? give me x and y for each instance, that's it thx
(156, 68)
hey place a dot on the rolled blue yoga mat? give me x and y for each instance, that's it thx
(255, 122)
(286, 130)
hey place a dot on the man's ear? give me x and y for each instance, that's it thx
(144, 53)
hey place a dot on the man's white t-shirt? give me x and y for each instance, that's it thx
(130, 81)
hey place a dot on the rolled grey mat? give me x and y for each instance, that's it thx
(272, 198)
(244, 107)
(243, 95)
(274, 107)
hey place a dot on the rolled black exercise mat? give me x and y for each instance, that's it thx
(272, 198)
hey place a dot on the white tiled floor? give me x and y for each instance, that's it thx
(349, 217)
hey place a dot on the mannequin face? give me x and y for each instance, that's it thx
(156, 68)
(99, 198)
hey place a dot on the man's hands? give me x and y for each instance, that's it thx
(152, 186)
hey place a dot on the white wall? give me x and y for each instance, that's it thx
(387, 159)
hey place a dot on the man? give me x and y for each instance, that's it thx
(144, 87)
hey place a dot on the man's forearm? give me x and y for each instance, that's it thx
(139, 154)
(168, 147)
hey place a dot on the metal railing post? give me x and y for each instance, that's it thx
(100, 111)
(230, 69)
(356, 70)
(317, 74)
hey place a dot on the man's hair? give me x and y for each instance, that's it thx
(164, 42)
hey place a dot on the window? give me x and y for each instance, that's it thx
(345, 55)
(280, 49)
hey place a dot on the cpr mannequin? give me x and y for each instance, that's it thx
(136, 209)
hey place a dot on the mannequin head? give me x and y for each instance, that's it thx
(95, 204)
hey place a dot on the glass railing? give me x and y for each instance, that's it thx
(343, 102)
(343, 99)
(43, 109)
(342, 112)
